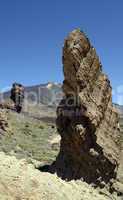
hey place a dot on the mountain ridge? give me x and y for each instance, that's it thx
(48, 94)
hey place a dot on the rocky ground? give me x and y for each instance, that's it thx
(32, 158)
(21, 181)
(27, 144)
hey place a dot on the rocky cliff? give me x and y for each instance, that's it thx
(3, 121)
(86, 118)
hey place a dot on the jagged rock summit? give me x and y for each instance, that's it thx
(86, 118)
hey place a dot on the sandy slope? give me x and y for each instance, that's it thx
(21, 181)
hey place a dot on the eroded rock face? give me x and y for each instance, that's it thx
(86, 118)
(3, 121)
(17, 96)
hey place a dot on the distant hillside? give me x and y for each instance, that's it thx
(120, 109)
(47, 94)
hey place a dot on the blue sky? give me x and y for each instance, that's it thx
(32, 33)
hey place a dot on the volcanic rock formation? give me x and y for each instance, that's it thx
(3, 121)
(86, 118)
(17, 96)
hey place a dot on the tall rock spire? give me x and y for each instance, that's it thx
(86, 118)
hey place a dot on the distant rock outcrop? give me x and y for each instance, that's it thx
(86, 118)
(46, 94)
(17, 96)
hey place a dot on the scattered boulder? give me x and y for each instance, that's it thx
(86, 119)
(55, 142)
(3, 121)
(7, 105)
